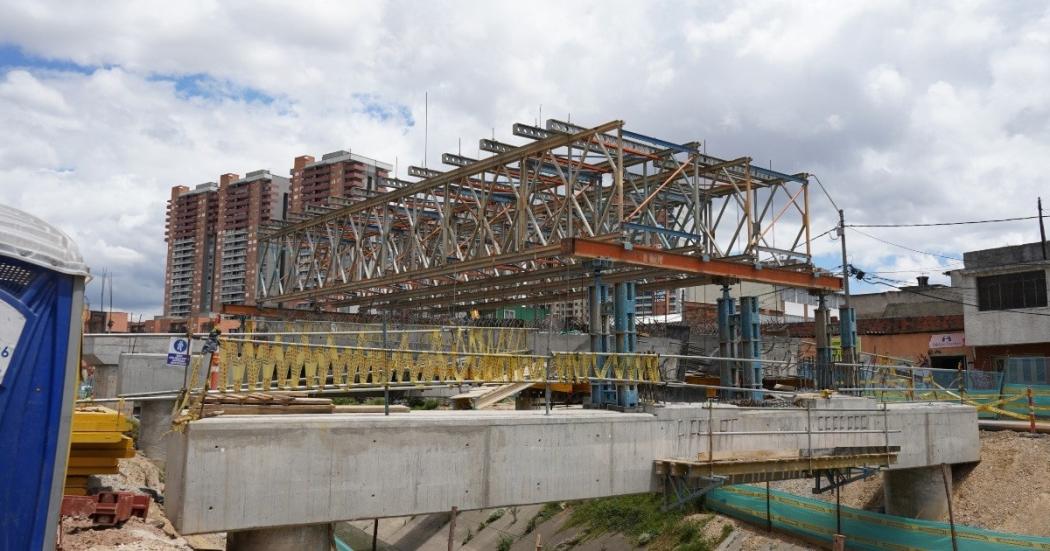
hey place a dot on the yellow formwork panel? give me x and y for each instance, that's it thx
(99, 419)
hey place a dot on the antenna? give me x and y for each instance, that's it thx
(426, 125)
(109, 320)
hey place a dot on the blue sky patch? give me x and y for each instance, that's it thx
(384, 111)
(13, 57)
(206, 87)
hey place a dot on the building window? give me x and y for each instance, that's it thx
(1027, 371)
(1007, 291)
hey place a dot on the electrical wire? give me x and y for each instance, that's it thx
(926, 225)
(822, 234)
(903, 246)
(874, 280)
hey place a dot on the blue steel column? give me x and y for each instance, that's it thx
(751, 345)
(598, 303)
(726, 340)
(822, 369)
(626, 338)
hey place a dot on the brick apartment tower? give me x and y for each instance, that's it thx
(337, 174)
(190, 235)
(244, 205)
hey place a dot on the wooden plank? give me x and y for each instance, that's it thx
(243, 409)
(748, 455)
(370, 409)
(77, 461)
(96, 437)
(92, 470)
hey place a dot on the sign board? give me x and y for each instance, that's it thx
(11, 323)
(178, 352)
(947, 340)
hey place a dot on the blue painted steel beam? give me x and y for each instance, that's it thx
(656, 141)
(658, 229)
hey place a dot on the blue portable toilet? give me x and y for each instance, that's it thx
(42, 277)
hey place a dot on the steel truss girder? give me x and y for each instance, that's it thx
(496, 225)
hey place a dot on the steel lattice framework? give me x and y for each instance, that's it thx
(517, 226)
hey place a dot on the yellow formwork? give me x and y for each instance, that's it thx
(97, 444)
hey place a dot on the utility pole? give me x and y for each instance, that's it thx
(847, 353)
(1042, 230)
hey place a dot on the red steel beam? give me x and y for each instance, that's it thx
(657, 258)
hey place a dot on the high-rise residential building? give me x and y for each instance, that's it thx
(212, 235)
(244, 205)
(190, 234)
(212, 230)
(338, 174)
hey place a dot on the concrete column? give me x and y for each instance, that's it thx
(312, 537)
(916, 493)
(154, 425)
(105, 381)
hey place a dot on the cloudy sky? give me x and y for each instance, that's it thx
(908, 112)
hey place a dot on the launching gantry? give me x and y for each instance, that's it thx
(519, 226)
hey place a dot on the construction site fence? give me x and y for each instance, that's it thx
(993, 393)
(817, 521)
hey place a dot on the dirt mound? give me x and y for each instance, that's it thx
(1008, 491)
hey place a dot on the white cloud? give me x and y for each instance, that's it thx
(886, 85)
(935, 111)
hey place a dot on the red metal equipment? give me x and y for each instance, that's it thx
(106, 508)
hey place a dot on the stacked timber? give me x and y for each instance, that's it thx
(257, 403)
(96, 445)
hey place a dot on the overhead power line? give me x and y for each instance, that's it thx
(903, 246)
(926, 225)
(874, 280)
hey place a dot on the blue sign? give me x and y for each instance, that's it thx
(179, 352)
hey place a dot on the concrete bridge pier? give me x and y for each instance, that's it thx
(311, 537)
(916, 493)
(154, 426)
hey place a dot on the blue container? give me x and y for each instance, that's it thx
(42, 279)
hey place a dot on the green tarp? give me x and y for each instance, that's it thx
(814, 519)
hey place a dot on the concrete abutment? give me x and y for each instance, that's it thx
(917, 492)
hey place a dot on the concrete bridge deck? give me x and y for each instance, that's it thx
(258, 472)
